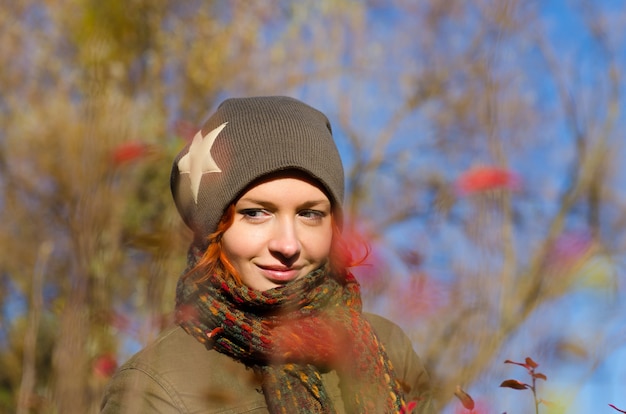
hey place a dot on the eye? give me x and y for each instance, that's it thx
(314, 215)
(254, 214)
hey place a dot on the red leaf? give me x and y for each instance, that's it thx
(515, 384)
(464, 397)
(480, 407)
(531, 363)
(371, 274)
(539, 375)
(408, 408)
(486, 178)
(186, 314)
(128, 152)
(104, 366)
(321, 338)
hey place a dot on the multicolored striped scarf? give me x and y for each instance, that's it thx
(290, 335)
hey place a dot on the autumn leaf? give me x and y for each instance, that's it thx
(484, 178)
(464, 397)
(408, 408)
(515, 384)
(531, 363)
(104, 366)
(129, 152)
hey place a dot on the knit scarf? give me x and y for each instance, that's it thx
(290, 335)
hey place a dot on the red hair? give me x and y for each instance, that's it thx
(214, 260)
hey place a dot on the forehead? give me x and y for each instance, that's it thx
(284, 186)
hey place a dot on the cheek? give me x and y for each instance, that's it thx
(320, 245)
(238, 245)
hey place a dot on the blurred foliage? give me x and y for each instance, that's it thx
(482, 146)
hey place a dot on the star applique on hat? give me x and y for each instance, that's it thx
(198, 160)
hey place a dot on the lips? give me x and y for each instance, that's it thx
(279, 274)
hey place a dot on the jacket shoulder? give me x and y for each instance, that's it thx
(177, 374)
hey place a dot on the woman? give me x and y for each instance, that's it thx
(269, 318)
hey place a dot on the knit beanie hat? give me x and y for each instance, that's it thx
(244, 140)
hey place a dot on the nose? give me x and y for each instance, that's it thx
(284, 242)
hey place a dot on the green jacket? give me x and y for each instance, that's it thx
(177, 374)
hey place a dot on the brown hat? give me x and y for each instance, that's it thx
(246, 139)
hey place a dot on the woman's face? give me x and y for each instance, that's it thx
(281, 231)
